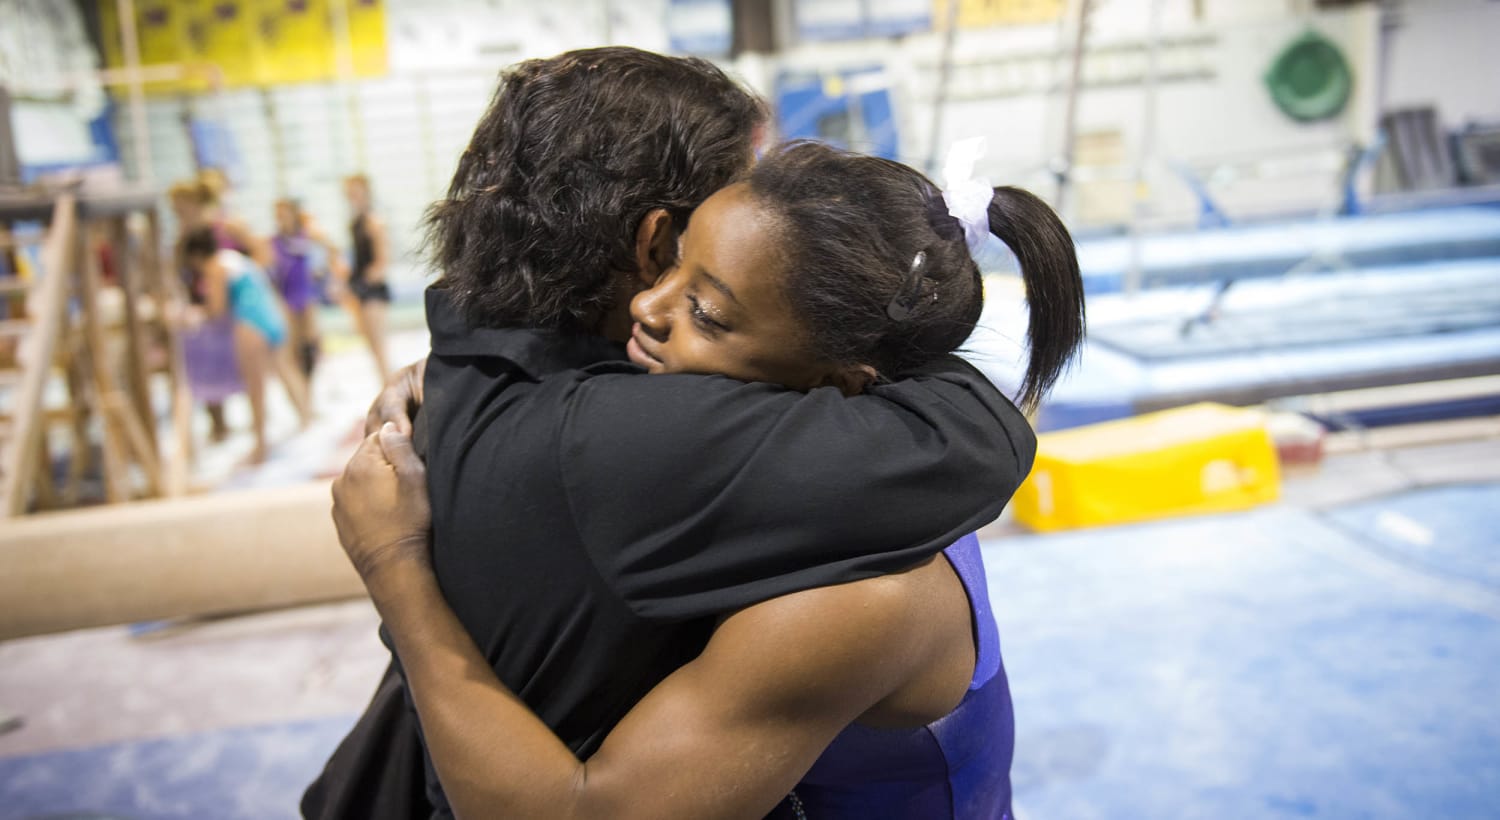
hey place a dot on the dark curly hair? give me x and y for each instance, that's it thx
(881, 275)
(199, 243)
(572, 154)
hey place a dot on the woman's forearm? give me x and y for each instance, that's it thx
(723, 737)
(493, 757)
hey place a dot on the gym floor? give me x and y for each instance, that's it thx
(1302, 660)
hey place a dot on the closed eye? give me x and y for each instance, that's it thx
(702, 318)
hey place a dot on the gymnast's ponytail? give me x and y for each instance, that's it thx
(883, 274)
(1054, 288)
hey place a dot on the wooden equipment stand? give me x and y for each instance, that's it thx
(66, 326)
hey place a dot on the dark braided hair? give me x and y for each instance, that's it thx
(572, 154)
(880, 272)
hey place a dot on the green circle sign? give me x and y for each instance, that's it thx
(1310, 80)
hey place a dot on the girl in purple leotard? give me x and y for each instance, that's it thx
(302, 250)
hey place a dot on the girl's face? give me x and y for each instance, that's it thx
(197, 263)
(186, 209)
(722, 308)
(286, 218)
(357, 194)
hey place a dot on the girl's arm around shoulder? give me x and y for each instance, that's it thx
(701, 494)
(726, 736)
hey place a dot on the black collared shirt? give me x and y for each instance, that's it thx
(590, 523)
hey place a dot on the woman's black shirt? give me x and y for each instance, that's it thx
(590, 524)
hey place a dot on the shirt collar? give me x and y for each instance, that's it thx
(536, 351)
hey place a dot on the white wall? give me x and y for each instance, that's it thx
(1225, 120)
(408, 129)
(1446, 53)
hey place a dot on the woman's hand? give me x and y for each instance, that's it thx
(380, 506)
(399, 401)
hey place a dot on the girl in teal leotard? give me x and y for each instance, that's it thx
(232, 282)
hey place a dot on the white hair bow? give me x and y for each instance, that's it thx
(968, 198)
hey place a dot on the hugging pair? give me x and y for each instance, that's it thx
(746, 584)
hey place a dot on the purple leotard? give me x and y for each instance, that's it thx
(956, 767)
(292, 274)
(213, 371)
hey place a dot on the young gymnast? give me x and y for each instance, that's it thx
(884, 696)
(209, 346)
(235, 288)
(369, 293)
(301, 251)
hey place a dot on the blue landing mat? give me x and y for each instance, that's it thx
(1271, 249)
(1449, 531)
(1322, 321)
(249, 773)
(1273, 338)
(1266, 665)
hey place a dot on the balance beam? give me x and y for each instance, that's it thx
(197, 555)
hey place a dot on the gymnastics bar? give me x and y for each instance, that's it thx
(170, 558)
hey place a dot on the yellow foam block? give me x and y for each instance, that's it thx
(1198, 459)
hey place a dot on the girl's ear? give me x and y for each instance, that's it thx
(655, 246)
(851, 381)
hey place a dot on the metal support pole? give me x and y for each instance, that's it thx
(940, 99)
(1144, 148)
(1070, 113)
(343, 50)
(140, 134)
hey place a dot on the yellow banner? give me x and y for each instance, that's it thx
(985, 13)
(367, 36)
(228, 34)
(248, 42)
(162, 30)
(109, 33)
(299, 41)
(168, 33)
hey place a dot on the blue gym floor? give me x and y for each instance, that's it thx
(1280, 663)
(1285, 662)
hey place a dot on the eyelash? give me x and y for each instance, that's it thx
(701, 317)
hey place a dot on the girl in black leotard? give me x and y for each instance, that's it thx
(369, 292)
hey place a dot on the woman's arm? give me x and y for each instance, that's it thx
(787, 490)
(805, 489)
(728, 735)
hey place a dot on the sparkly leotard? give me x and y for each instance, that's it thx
(956, 767)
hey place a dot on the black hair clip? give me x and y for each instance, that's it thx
(904, 303)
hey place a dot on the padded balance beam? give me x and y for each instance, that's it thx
(198, 555)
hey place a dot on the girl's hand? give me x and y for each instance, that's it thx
(381, 509)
